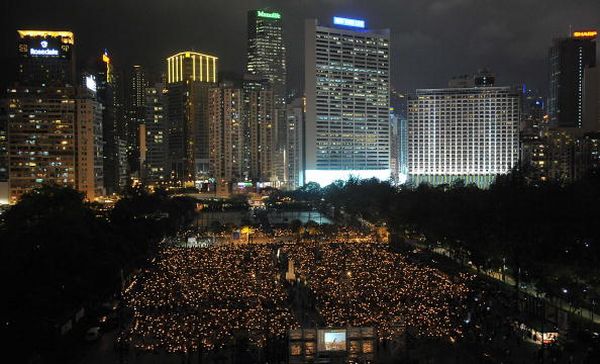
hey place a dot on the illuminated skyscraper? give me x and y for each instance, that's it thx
(89, 174)
(4, 194)
(259, 131)
(110, 94)
(347, 86)
(462, 133)
(42, 112)
(156, 134)
(189, 77)
(46, 58)
(265, 73)
(136, 114)
(570, 60)
(226, 133)
(266, 51)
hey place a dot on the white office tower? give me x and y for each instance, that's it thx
(462, 133)
(347, 87)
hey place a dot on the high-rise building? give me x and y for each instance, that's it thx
(259, 134)
(266, 62)
(462, 133)
(109, 92)
(89, 174)
(266, 51)
(294, 151)
(591, 100)
(347, 87)
(4, 195)
(156, 135)
(136, 114)
(590, 152)
(569, 60)
(189, 77)
(42, 113)
(45, 58)
(41, 131)
(394, 149)
(226, 133)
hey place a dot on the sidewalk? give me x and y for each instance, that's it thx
(507, 279)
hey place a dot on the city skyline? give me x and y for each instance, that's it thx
(511, 46)
(300, 181)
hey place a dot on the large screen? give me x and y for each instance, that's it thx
(332, 340)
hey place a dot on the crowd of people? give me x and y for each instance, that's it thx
(201, 299)
(369, 285)
(194, 299)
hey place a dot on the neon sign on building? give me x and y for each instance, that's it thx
(264, 14)
(348, 22)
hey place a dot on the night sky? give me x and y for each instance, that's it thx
(432, 40)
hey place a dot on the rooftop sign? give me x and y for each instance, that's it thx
(348, 22)
(264, 14)
(585, 34)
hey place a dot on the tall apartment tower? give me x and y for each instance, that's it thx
(259, 129)
(462, 133)
(294, 152)
(189, 77)
(347, 87)
(136, 114)
(4, 195)
(41, 109)
(226, 133)
(89, 173)
(109, 92)
(570, 59)
(155, 166)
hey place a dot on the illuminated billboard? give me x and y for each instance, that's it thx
(331, 340)
(585, 34)
(348, 22)
(45, 44)
(90, 83)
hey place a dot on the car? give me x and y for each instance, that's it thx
(92, 334)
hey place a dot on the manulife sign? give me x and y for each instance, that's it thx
(264, 14)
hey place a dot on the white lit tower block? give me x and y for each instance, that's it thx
(462, 133)
(347, 87)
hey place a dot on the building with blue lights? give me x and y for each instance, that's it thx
(347, 87)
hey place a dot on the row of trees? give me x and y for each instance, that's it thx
(546, 234)
(59, 254)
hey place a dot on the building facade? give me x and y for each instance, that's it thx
(226, 134)
(266, 51)
(46, 58)
(347, 87)
(89, 174)
(189, 77)
(462, 133)
(109, 92)
(260, 129)
(569, 58)
(41, 132)
(294, 152)
(155, 128)
(136, 115)
(41, 112)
